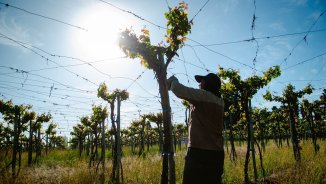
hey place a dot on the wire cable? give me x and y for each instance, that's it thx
(42, 16)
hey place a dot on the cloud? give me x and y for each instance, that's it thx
(312, 17)
(292, 72)
(277, 26)
(273, 54)
(299, 2)
(284, 43)
(314, 71)
(270, 53)
(10, 28)
(230, 5)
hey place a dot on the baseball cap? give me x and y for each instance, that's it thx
(212, 82)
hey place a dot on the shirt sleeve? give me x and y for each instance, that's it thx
(190, 94)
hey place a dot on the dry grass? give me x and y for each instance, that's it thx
(311, 169)
(280, 166)
(65, 167)
(56, 174)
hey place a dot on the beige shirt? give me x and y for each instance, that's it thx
(206, 116)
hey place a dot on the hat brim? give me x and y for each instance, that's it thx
(199, 78)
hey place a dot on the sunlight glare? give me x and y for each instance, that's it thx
(100, 41)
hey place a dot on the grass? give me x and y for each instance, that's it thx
(280, 166)
(64, 166)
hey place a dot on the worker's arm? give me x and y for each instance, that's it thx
(190, 94)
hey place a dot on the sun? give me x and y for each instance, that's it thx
(103, 24)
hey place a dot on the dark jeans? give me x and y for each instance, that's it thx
(203, 166)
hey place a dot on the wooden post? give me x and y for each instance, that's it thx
(252, 143)
(168, 165)
(16, 137)
(46, 143)
(103, 152)
(30, 144)
(118, 140)
(294, 135)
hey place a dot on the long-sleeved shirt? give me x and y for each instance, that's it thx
(206, 117)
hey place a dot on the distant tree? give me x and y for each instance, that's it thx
(158, 120)
(307, 110)
(31, 116)
(116, 96)
(320, 115)
(232, 114)
(14, 115)
(180, 133)
(2, 136)
(6, 135)
(97, 119)
(290, 100)
(43, 118)
(126, 137)
(279, 125)
(59, 142)
(85, 121)
(261, 117)
(139, 126)
(79, 132)
(49, 134)
(133, 137)
(246, 89)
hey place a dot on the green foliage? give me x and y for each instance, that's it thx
(44, 118)
(180, 130)
(28, 116)
(140, 47)
(79, 133)
(99, 114)
(122, 94)
(290, 99)
(103, 93)
(250, 83)
(51, 129)
(244, 89)
(178, 26)
(10, 111)
(268, 96)
(289, 94)
(308, 89)
(6, 106)
(306, 107)
(272, 73)
(128, 40)
(157, 118)
(185, 103)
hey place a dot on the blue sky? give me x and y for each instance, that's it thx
(54, 54)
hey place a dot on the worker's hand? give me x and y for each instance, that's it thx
(170, 80)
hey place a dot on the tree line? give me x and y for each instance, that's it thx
(296, 119)
(21, 131)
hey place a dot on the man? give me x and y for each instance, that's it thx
(205, 154)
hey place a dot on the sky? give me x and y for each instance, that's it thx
(55, 53)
